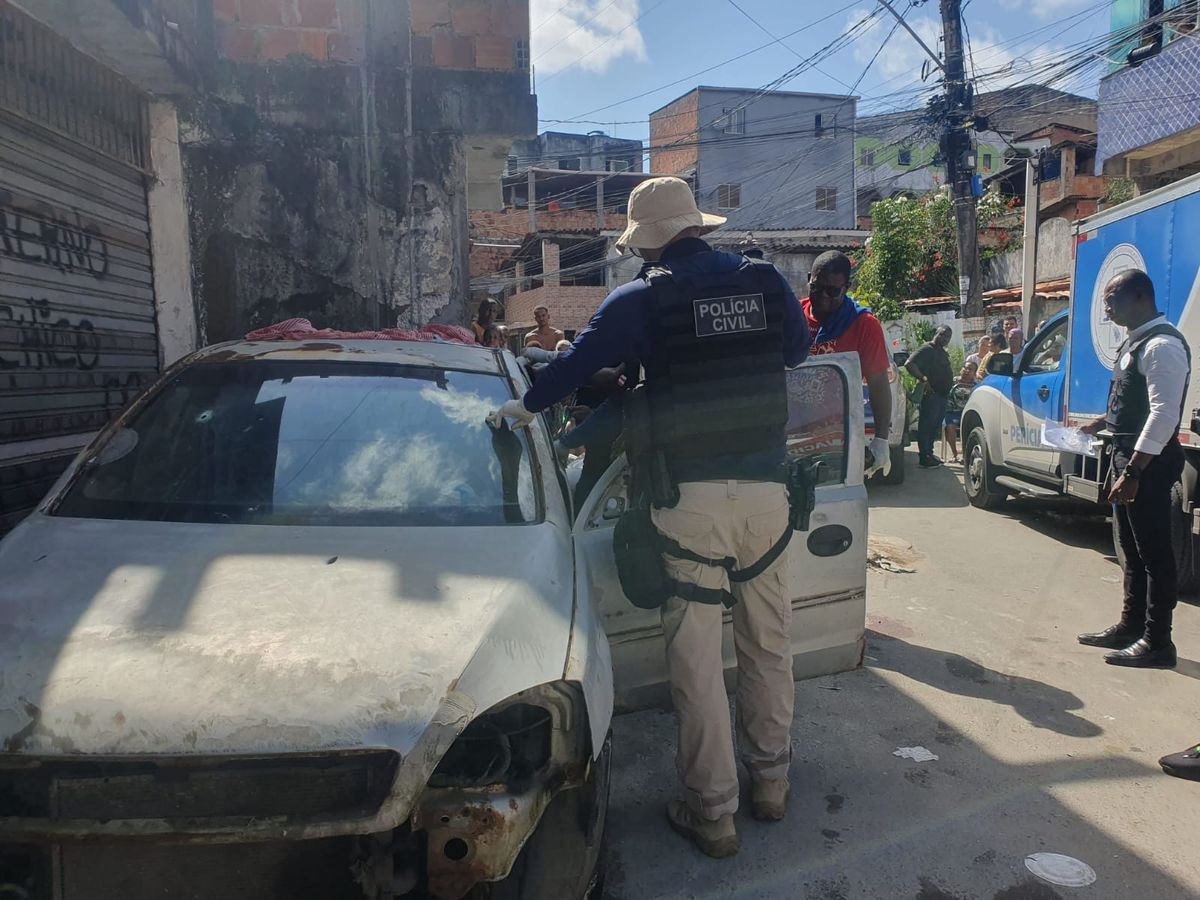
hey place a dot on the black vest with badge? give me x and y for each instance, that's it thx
(1128, 397)
(715, 375)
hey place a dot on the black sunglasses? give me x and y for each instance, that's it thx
(828, 290)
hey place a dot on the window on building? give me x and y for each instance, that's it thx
(866, 159)
(826, 199)
(569, 164)
(987, 162)
(818, 126)
(618, 165)
(904, 158)
(733, 121)
(729, 196)
(521, 55)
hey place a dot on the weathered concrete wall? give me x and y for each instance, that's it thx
(169, 244)
(327, 174)
(1054, 258)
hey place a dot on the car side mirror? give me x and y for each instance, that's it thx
(1000, 364)
(900, 357)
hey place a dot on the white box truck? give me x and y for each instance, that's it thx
(1061, 378)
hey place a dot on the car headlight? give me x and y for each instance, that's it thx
(502, 746)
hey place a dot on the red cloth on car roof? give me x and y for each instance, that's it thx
(303, 330)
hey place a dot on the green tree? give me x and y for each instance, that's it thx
(913, 250)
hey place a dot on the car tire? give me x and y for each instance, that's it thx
(571, 828)
(979, 479)
(896, 474)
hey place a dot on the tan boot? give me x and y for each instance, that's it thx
(768, 799)
(715, 838)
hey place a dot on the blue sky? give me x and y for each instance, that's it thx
(592, 56)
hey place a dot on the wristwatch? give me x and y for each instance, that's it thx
(1131, 472)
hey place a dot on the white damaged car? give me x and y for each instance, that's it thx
(300, 624)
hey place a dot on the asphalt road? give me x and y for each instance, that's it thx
(1041, 747)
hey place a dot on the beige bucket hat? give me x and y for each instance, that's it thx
(660, 208)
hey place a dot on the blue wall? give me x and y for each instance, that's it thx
(1149, 103)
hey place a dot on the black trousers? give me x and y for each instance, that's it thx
(1144, 530)
(933, 414)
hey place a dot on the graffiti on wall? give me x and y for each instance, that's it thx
(45, 340)
(67, 246)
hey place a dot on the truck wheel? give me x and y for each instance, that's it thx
(979, 482)
(896, 474)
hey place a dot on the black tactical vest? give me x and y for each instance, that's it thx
(715, 376)
(1128, 398)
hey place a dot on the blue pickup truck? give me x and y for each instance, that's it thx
(1061, 377)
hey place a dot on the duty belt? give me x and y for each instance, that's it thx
(802, 478)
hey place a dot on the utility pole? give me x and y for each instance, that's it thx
(958, 150)
(1029, 243)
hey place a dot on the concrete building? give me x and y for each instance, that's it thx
(591, 152)
(1067, 188)
(773, 160)
(897, 152)
(553, 243)
(1149, 118)
(175, 173)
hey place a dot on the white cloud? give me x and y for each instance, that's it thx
(1044, 9)
(997, 62)
(592, 33)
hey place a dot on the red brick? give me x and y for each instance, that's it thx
(261, 12)
(278, 43)
(428, 13)
(471, 16)
(318, 13)
(510, 19)
(451, 51)
(225, 10)
(315, 44)
(239, 44)
(495, 53)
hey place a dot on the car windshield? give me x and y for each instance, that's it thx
(303, 443)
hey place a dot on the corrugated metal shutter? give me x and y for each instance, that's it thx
(77, 327)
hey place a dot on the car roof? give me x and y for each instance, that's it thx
(434, 354)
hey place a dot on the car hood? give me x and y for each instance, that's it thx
(124, 637)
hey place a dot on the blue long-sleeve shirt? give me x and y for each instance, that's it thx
(620, 330)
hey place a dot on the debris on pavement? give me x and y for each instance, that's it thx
(916, 754)
(891, 554)
(1065, 871)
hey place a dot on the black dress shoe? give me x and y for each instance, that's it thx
(930, 462)
(1115, 637)
(1144, 655)
(1183, 765)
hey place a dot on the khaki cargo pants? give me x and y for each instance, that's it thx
(739, 519)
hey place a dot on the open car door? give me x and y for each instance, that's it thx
(827, 564)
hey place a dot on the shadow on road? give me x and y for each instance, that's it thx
(939, 488)
(1040, 704)
(1069, 522)
(865, 825)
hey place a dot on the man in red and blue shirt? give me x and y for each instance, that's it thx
(839, 325)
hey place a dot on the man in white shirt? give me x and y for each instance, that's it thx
(1145, 407)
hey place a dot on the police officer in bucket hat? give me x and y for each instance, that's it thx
(713, 332)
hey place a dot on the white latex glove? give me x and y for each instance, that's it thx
(881, 457)
(513, 409)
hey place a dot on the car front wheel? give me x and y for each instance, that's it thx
(563, 859)
(979, 482)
